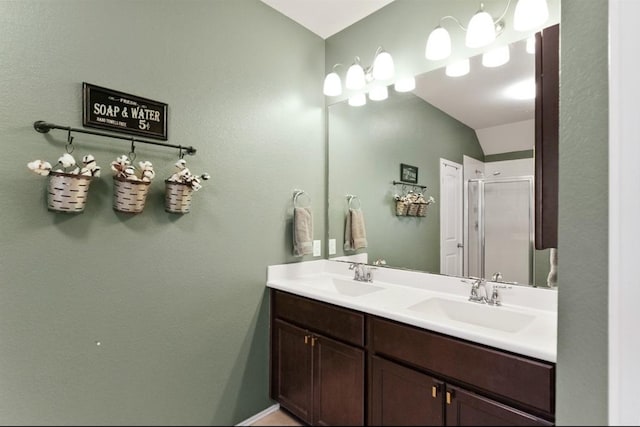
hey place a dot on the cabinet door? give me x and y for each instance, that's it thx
(403, 397)
(338, 383)
(291, 369)
(464, 408)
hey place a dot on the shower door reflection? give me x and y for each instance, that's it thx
(500, 229)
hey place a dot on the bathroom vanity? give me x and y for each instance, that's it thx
(399, 351)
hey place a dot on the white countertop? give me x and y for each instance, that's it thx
(525, 323)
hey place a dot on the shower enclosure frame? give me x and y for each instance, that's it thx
(481, 223)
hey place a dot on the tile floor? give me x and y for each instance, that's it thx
(278, 418)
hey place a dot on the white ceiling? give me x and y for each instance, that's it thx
(326, 17)
(475, 99)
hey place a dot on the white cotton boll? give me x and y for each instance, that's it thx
(40, 167)
(88, 159)
(66, 160)
(96, 172)
(124, 160)
(75, 171)
(181, 164)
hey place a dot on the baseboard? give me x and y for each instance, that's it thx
(259, 415)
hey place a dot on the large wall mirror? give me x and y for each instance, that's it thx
(471, 140)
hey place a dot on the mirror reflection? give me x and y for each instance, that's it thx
(467, 143)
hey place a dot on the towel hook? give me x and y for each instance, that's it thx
(351, 198)
(297, 194)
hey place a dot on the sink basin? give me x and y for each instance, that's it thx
(346, 287)
(472, 313)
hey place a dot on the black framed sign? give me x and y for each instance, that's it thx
(121, 112)
(408, 173)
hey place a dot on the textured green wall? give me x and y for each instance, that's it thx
(366, 146)
(582, 379)
(177, 303)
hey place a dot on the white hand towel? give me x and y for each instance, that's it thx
(355, 236)
(302, 231)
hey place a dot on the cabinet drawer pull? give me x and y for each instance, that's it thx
(306, 339)
(313, 341)
(449, 397)
(434, 391)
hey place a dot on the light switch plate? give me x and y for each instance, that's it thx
(332, 246)
(317, 249)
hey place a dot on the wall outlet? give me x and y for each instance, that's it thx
(317, 249)
(332, 246)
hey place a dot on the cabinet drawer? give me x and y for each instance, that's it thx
(515, 378)
(330, 320)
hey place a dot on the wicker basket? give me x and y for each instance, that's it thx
(177, 198)
(67, 192)
(129, 196)
(422, 209)
(401, 208)
(413, 209)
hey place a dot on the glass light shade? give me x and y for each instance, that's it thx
(438, 45)
(378, 93)
(332, 85)
(530, 14)
(458, 69)
(496, 57)
(481, 30)
(355, 77)
(405, 85)
(531, 45)
(383, 68)
(357, 100)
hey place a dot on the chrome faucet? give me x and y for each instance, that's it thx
(361, 272)
(478, 291)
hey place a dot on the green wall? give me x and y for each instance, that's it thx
(177, 303)
(582, 379)
(366, 147)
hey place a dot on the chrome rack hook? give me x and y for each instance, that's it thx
(180, 152)
(69, 147)
(132, 153)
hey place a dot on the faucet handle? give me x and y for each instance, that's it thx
(495, 296)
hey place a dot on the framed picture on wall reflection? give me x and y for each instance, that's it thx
(408, 173)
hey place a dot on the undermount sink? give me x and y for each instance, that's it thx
(499, 318)
(346, 287)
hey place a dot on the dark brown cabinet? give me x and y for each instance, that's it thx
(413, 376)
(453, 382)
(319, 379)
(400, 396)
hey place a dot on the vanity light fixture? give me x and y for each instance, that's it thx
(378, 93)
(332, 84)
(458, 68)
(530, 14)
(482, 29)
(406, 84)
(358, 76)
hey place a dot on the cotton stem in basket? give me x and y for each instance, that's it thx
(184, 176)
(122, 168)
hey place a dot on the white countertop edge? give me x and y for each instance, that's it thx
(537, 348)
